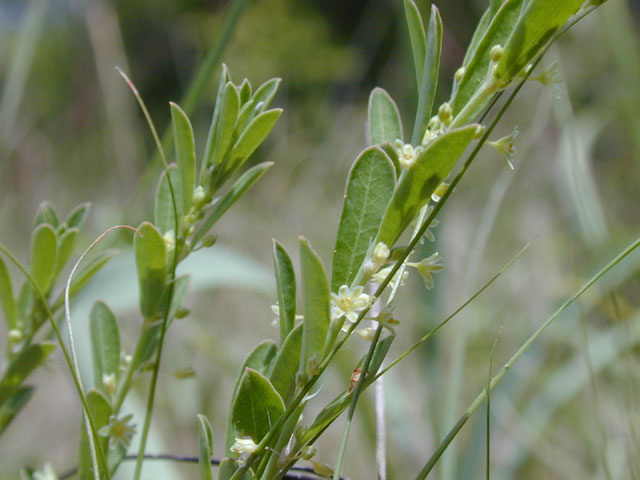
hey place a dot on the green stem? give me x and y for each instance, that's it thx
(93, 432)
(125, 383)
(516, 356)
(354, 401)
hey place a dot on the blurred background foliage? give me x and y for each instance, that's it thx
(70, 132)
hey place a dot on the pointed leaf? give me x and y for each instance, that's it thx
(315, 290)
(46, 214)
(105, 344)
(537, 24)
(416, 185)
(257, 406)
(77, 216)
(283, 376)
(369, 189)
(260, 359)
(43, 256)
(253, 136)
(226, 122)
(100, 411)
(25, 362)
(477, 67)
(6, 297)
(265, 93)
(286, 287)
(205, 440)
(417, 36)
(66, 245)
(10, 408)
(326, 417)
(241, 185)
(164, 216)
(430, 74)
(185, 155)
(213, 127)
(384, 118)
(245, 91)
(151, 263)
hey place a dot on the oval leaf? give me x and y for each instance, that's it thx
(257, 406)
(77, 216)
(260, 359)
(46, 214)
(43, 256)
(384, 118)
(151, 263)
(369, 189)
(66, 244)
(185, 154)
(315, 290)
(416, 185)
(105, 344)
(286, 287)
(226, 122)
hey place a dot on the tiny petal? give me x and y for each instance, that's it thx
(367, 333)
(46, 473)
(505, 146)
(244, 446)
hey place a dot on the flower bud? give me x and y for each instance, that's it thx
(496, 53)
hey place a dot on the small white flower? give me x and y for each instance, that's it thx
(46, 473)
(349, 302)
(427, 267)
(367, 333)
(275, 308)
(244, 446)
(109, 382)
(505, 146)
(407, 154)
(119, 431)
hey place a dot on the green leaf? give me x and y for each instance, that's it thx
(257, 406)
(537, 24)
(228, 467)
(369, 188)
(105, 344)
(185, 154)
(260, 359)
(213, 128)
(253, 136)
(430, 73)
(151, 263)
(25, 362)
(315, 289)
(6, 297)
(246, 180)
(384, 118)
(46, 214)
(245, 91)
(180, 288)
(494, 5)
(77, 216)
(226, 122)
(416, 185)
(283, 376)
(477, 67)
(66, 245)
(205, 440)
(100, 411)
(163, 214)
(10, 408)
(265, 93)
(286, 287)
(43, 256)
(417, 36)
(478, 33)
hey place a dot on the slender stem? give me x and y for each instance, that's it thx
(516, 356)
(125, 383)
(76, 380)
